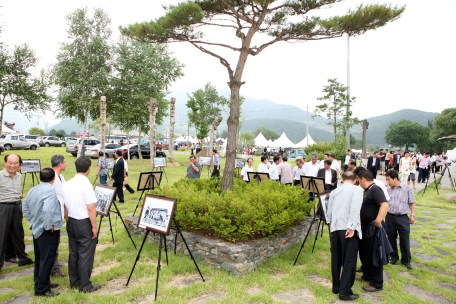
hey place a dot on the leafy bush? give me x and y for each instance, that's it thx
(321, 148)
(183, 149)
(250, 210)
(257, 153)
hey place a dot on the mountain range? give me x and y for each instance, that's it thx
(280, 118)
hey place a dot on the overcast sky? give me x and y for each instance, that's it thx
(409, 63)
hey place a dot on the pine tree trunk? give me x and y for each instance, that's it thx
(152, 109)
(81, 146)
(139, 143)
(233, 123)
(128, 145)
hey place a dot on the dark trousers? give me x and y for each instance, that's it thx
(215, 172)
(56, 266)
(82, 252)
(345, 168)
(45, 247)
(423, 174)
(11, 225)
(119, 191)
(9, 249)
(399, 225)
(374, 171)
(372, 274)
(343, 255)
(296, 183)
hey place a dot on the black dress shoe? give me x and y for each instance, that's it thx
(54, 285)
(25, 262)
(409, 266)
(49, 294)
(349, 298)
(91, 289)
(12, 260)
(393, 261)
(359, 270)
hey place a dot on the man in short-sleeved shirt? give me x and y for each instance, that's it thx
(80, 214)
(311, 168)
(248, 168)
(194, 169)
(374, 209)
(335, 165)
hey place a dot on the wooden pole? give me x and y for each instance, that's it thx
(212, 138)
(103, 123)
(152, 112)
(172, 114)
(365, 125)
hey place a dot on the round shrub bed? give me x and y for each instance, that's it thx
(249, 211)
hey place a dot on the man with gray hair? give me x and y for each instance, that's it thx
(58, 165)
(311, 168)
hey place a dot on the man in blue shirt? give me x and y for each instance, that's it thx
(42, 210)
(216, 171)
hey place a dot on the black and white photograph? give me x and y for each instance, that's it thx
(110, 163)
(159, 162)
(31, 166)
(205, 161)
(324, 200)
(157, 213)
(239, 163)
(149, 180)
(104, 195)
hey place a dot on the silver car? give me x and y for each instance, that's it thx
(73, 145)
(50, 141)
(110, 149)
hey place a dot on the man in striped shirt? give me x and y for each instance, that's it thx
(401, 203)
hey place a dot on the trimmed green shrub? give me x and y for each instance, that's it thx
(257, 153)
(249, 211)
(183, 149)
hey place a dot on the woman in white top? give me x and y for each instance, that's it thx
(405, 166)
(412, 175)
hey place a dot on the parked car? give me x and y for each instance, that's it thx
(50, 141)
(110, 149)
(293, 153)
(145, 151)
(31, 138)
(2, 149)
(74, 145)
(16, 141)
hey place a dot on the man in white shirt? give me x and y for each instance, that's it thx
(311, 168)
(297, 172)
(347, 158)
(335, 165)
(273, 170)
(264, 166)
(248, 168)
(80, 214)
(322, 162)
(58, 165)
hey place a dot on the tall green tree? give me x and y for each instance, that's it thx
(143, 71)
(404, 133)
(245, 139)
(267, 133)
(205, 105)
(26, 93)
(444, 124)
(83, 66)
(36, 131)
(279, 21)
(334, 105)
(52, 132)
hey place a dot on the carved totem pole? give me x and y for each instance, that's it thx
(153, 109)
(213, 139)
(172, 114)
(103, 123)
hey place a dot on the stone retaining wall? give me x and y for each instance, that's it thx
(237, 258)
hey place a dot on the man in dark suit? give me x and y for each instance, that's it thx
(396, 160)
(373, 164)
(329, 175)
(118, 175)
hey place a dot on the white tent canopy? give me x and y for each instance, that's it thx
(5, 129)
(283, 142)
(261, 141)
(303, 143)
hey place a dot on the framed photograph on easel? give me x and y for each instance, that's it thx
(104, 195)
(157, 213)
(159, 162)
(31, 166)
(149, 180)
(204, 161)
(239, 163)
(324, 201)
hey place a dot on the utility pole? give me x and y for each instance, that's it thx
(307, 136)
(153, 109)
(38, 123)
(365, 126)
(348, 89)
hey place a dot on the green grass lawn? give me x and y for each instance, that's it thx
(113, 263)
